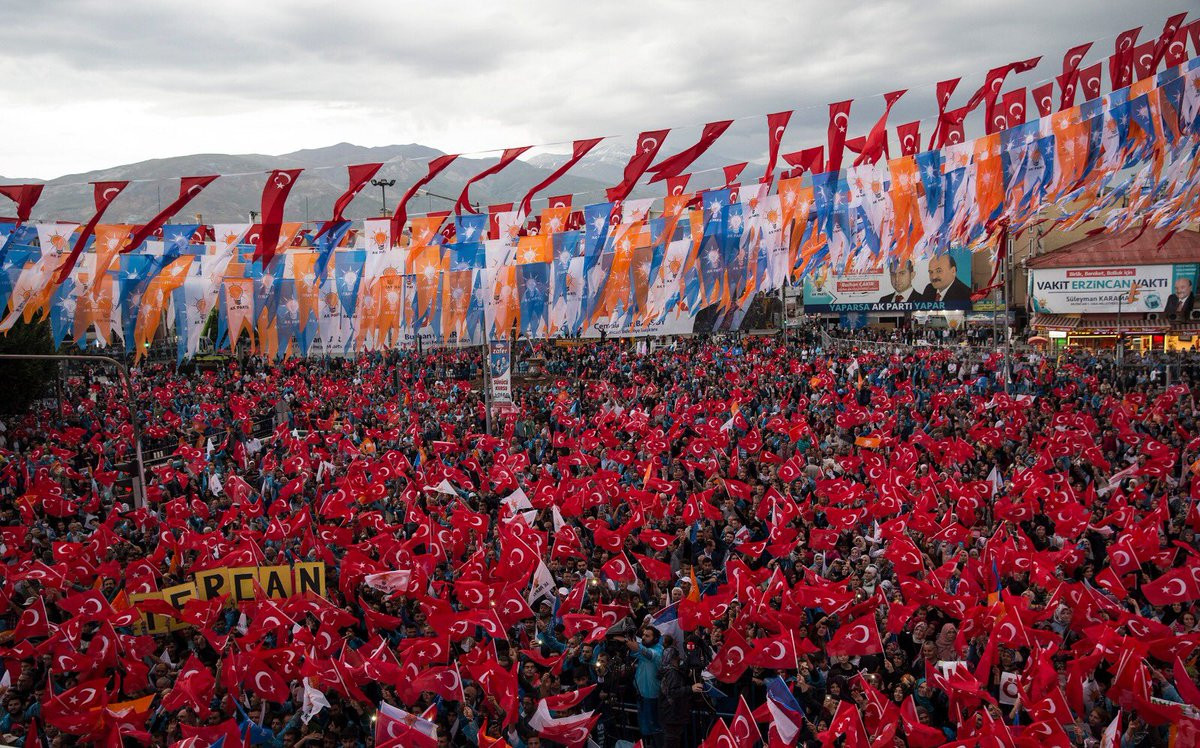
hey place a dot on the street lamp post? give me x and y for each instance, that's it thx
(139, 489)
(383, 184)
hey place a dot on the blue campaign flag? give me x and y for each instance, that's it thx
(475, 310)
(287, 317)
(1139, 110)
(325, 245)
(1014, 146)
(177, 240)
(12, 264)
(566, 246)
(181, 324)
(62, 311)
(14, 236)
(1171, 108)
(467, 255)
(596, 219)
(533, 284)
(347, 268)
(471, 228)
(929, 165)
(133, 271)
(1045, 147)
(267, 286)
(952, 181)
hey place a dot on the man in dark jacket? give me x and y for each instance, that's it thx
(675, 698)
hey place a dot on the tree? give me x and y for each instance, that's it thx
(22, 382)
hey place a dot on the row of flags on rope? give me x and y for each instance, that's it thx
(1127, 157)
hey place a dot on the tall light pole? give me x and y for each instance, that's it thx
(383, 184)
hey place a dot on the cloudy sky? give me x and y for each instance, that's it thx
(91, 83)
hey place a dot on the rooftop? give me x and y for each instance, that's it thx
(1125, 248)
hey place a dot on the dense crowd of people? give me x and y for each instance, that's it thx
(721, 541)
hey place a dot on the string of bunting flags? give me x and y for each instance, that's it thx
(618, 267)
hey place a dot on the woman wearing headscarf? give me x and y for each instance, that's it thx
(945, 643)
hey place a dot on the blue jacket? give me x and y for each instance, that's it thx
(646, 678)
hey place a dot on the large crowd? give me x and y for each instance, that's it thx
(718, 541)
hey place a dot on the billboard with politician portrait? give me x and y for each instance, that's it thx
(1168, 289)
(941, 282)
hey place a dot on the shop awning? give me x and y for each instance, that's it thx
(1100, 324)
(1061, 322)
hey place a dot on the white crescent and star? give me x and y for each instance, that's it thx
(1175, 588)
(768, 651)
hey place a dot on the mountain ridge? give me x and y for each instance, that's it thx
(154, 183)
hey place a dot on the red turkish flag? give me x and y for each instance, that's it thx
(743, 728)
(719, 736)
(1073, 57)
(400, 216)
(33, 622)
(1121, 62)
(839, 120)
(24, 195)
(846, 724)
(189, 187)
(1043, 99)
(732, 172)
(648, 145)
(657, 571)
(1170, 28)
(359, 175)
(274, 197)
(618, 569)
(103, 194)
(781, 651)
(1067, 88)
(919, 735)
(1176, 53)
(1012, 104)
(909, 136)
(442, 680)
(578, 150)
(1144, 60)
(673, 166)
(875, 144)
(951, 126)
(1089, 82)
(570, 700)
(810, 159)
(1176, 586)
(945, 89)
(732, 659)
(266, 682)
(464, 199)
(776, 127)
(193, 688)
(859, 637)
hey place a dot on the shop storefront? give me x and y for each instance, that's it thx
(1107, 289)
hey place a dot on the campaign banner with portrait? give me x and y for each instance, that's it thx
(1168, 289)
(500, 361)
(943, 282)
